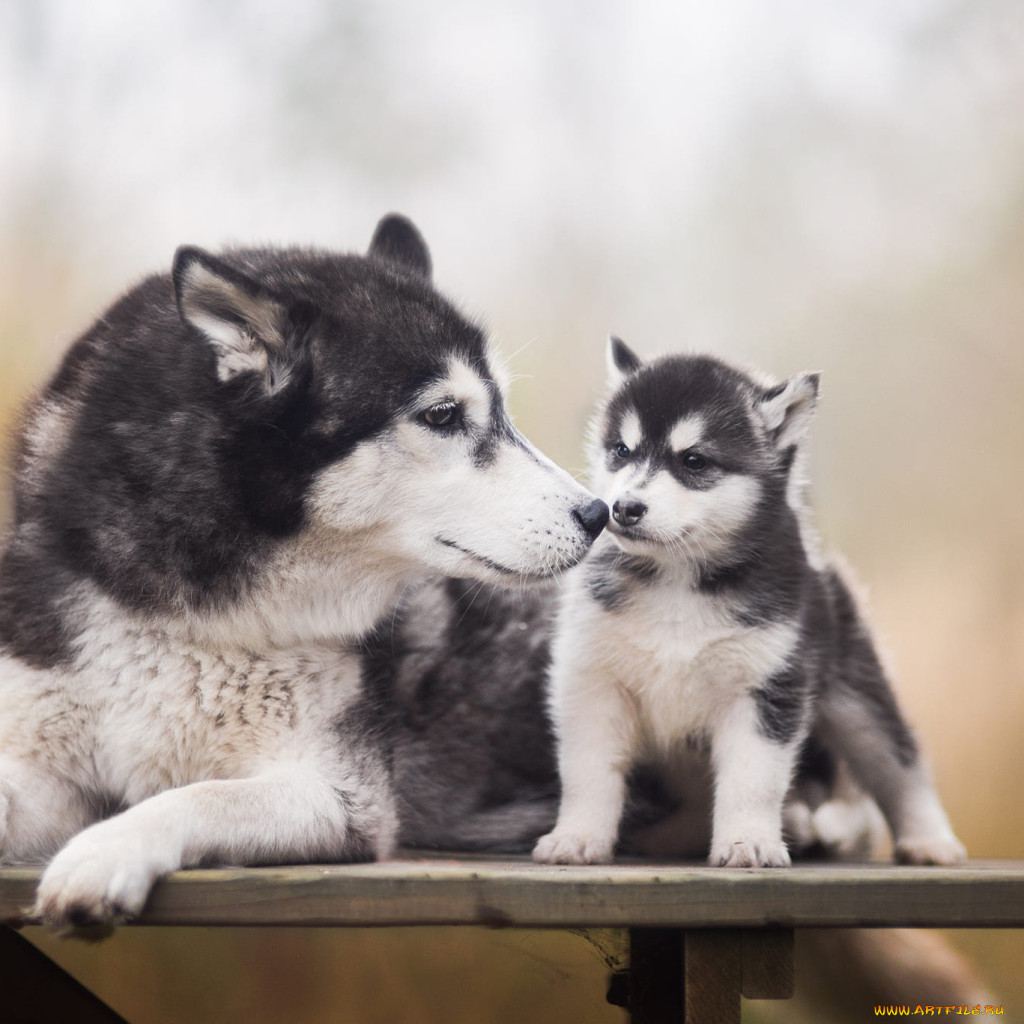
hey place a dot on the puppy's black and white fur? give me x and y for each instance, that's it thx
(707, 617)
(228, 483)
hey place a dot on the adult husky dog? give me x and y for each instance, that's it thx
(707, 615)
(226, 485)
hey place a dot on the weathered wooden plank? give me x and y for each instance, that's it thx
(35, 989)
(17, 893)
(485, 891)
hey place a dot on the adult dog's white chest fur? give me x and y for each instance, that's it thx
(146, 709)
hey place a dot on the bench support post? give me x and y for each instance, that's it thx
(697, 976)
(36, 989)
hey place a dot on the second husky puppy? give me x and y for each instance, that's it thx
(707, 618)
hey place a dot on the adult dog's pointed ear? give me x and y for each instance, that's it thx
(398, 241)
(621, 361)
(787, 410)
(246, 328)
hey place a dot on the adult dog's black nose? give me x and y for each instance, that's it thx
(592, 517)
(628, 512)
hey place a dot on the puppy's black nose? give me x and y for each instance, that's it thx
(592, 517)
(628, 512)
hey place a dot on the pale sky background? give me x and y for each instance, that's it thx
(747, 144)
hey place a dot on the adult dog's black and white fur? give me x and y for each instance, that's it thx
(706, 616)
(226, 485)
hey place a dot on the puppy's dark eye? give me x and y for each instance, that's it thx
(444, 414)
(621, 451)
(694, 461)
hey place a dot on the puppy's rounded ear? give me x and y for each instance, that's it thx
(398, 241)
(245, 327)
(787, 410)
(620, 360)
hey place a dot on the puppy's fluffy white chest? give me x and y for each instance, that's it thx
(679, 655)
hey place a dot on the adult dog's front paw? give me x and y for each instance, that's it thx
(99, 880)
(573, 848)
(749, 853)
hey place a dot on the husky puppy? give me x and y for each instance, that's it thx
(226, 485)
(706, 617)
(462, 671)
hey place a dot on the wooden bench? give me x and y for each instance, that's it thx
(699, 937)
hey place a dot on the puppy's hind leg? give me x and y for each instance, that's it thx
(286, 814)
(861, 721)
(884, 758)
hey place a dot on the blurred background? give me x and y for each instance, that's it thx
(807, 184)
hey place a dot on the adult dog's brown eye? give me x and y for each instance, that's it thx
(445, 414)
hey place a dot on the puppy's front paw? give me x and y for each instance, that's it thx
(930, 851)
(98, 880)
(749, 853)
(573, 848)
